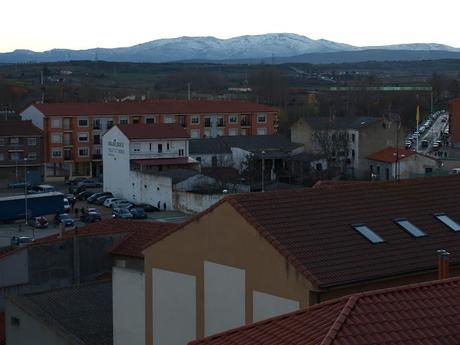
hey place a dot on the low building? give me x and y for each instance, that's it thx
(347, 141)
(21, 152)
(128, 280)
(138, 158)
(391, 163)
(257, 255)
(77, 315)
(412, 314)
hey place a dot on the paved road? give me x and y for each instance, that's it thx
(433, 133)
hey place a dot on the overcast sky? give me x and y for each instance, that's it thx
(44, 24)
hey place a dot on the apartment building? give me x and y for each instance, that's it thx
(21, 151)
(73, 131)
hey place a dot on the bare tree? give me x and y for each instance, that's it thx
(333, 144)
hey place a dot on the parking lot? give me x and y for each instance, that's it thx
(19, 229)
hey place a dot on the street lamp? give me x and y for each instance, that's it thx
(25, 187)
(263, 170)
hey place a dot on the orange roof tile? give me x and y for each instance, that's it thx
(388, 155)
(424, 313)
(152, 107)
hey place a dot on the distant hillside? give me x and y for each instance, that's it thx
(279, 47)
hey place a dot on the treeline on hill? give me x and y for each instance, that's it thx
(298, 89)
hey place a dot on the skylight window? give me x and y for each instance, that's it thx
(410, 228)
(365, 231)
(448, 221)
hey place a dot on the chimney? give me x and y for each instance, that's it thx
(443, 264)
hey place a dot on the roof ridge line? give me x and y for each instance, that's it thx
(340, 320)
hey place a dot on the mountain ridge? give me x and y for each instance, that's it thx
(281, 46)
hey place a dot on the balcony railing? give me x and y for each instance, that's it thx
(245, 123)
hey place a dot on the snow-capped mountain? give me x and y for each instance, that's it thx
(278, 45)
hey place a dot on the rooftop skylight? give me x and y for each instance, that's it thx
(409, 227)
(448, 221)
(365, 231)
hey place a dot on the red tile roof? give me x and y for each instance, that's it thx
(153, 131)
(424, 313)
(152, 107)
(388, 155)
(145, 234)
(166, 161)
(313, 229)
(19, 128)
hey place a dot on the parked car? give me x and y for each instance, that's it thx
(122, 213)
(89, 183)
(75, 181)
(138, 213)
(65, 219)
(91, 217)
(84, 194)
(21, 241)
(108, 201)
(92, 199)
(39, 222)
(102, 198)
(121, 204)
(66, 205)
(147, 207)
(70, 197)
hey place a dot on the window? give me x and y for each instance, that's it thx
(150, 120)
(409, 227)
(124, 120)
(67, 139)
(2, 141)
(220, 121)
(56, 123)
(167, 146)
(137, 147)
(261, 131)
(97, 139)
(233, 119)
(15, 156)
(207, 122)
(387, 173)
(32, 156)
(233, 131)
(83, 152)
(136, 119)
(56, 138)
(2, 156)
(244, 120)
(169, 119)
(96, 124)
(160, 148)
(198, 159)
(82, 137)
(353, 138)
(195, 120)
(31, 141)
(353, 153)
(181, 152)
(319, 167)
(448, 221)
(109, 124)
(195, 133)
(261, 118)
(368, 233)
(14, 141)
(56, 153)
(82, 122)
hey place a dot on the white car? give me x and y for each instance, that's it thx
(66, 205)
(108, 202)
(121, 204)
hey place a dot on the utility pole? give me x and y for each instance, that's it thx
(25, 188)
(263, 171)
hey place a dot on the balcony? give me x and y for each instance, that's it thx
(68, 157)
(245, 123)
(97, 156)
